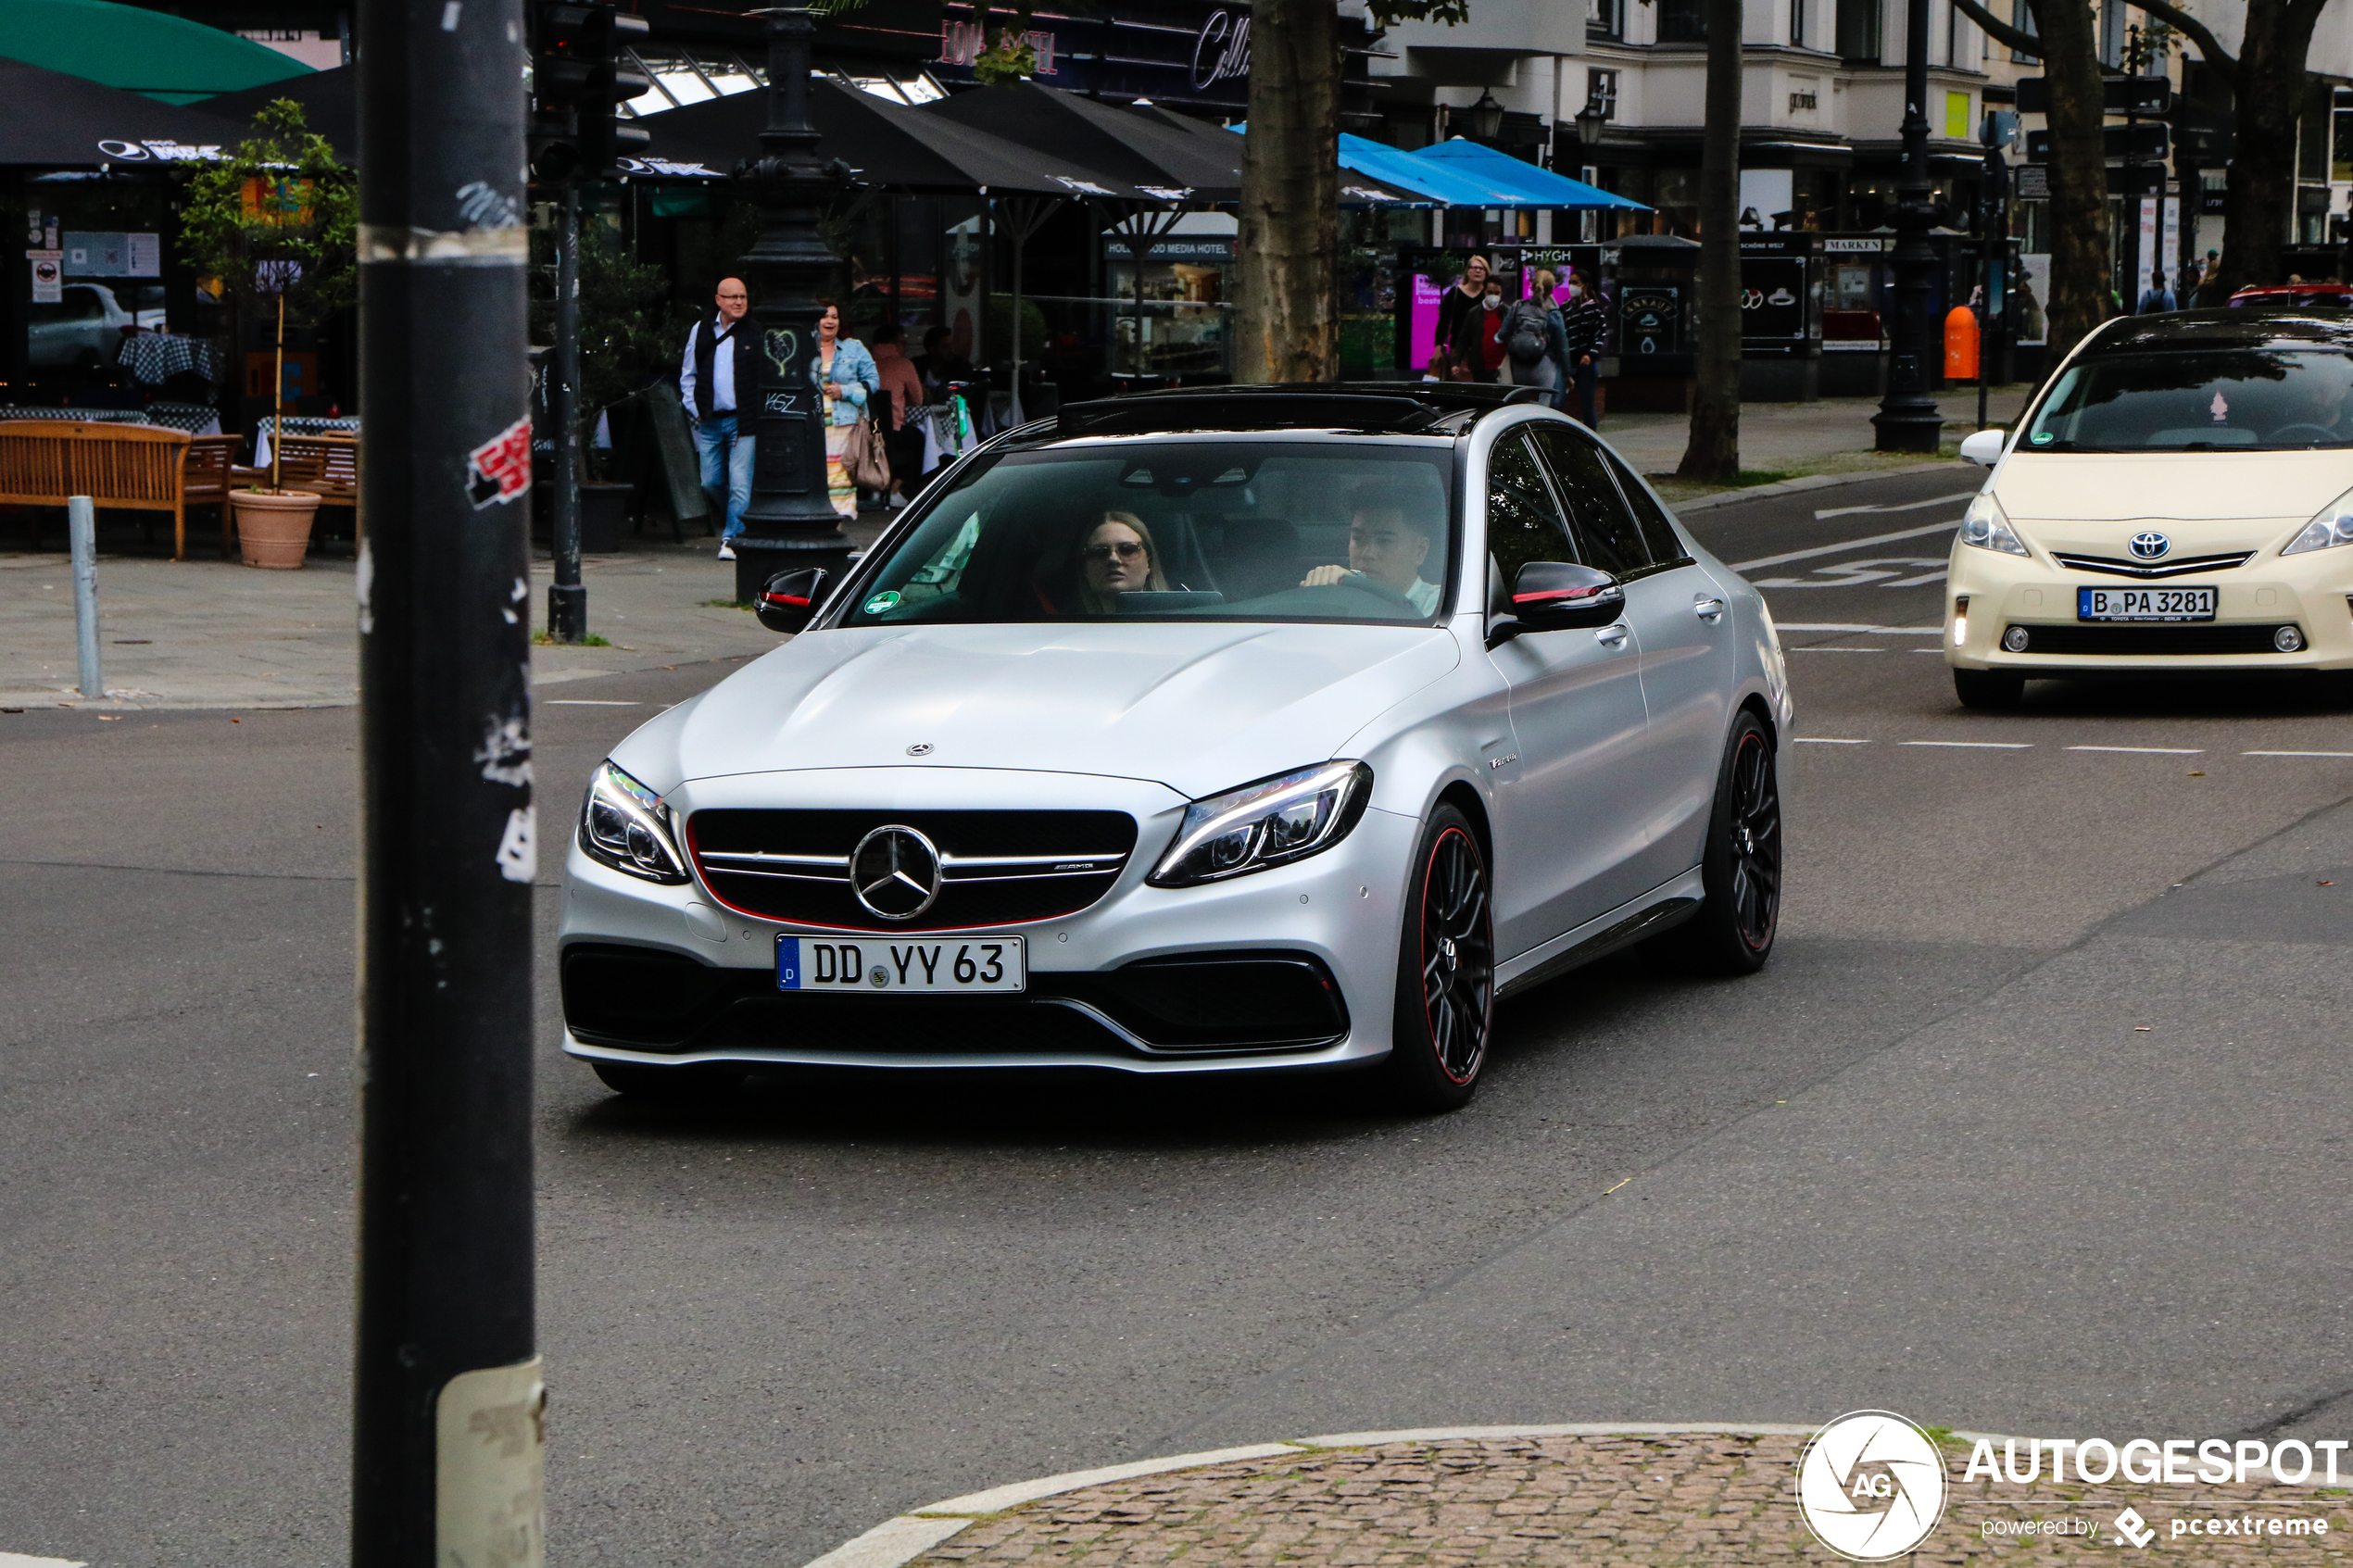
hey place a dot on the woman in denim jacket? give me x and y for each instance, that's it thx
(845, 374)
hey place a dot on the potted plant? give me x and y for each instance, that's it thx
(276, 222)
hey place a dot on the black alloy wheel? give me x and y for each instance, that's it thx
(1740, 868)
(1446, 971)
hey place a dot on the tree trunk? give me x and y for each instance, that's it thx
(2079, 270)
(1714, 450)
(1286, 260)
(2258, 200)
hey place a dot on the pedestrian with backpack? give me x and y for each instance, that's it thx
(1526, 333)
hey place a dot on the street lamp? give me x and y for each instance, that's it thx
(790, 522)
(1909, 420)
(1590, 122)
(1486, 117)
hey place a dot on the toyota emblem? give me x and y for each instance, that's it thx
(894, 873)
(2151, 545)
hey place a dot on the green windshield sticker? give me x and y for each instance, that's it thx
(2042, 437)
(881, 602)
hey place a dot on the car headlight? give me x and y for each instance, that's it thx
(625, 825)
(1985, 526)
(1271, 822)
(2332, 528)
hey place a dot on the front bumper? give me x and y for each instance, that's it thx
(2310, 593)
(1115, 986)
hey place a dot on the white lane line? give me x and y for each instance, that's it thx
(1843, 626)
(562, 702)
(1976, 744)
(1825, 740)
(1829, 649)
(2296, 754)
(2147, 750)
(18, 1560)
(1849, 545)
(1897, 506)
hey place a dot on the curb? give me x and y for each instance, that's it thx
(900, 1540)
(1809, 481)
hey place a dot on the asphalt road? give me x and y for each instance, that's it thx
(2035, 1123)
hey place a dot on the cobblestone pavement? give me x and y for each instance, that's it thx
(1642, 1501)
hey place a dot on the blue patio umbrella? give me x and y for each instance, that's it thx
(1528, 186)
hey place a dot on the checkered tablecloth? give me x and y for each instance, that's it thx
(154, 357)
(197, 418)
(298, 424)
(111, 415)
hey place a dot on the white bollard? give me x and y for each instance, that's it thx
(81, 525)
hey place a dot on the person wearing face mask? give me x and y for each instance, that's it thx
(1478, 337)
(1583, 325)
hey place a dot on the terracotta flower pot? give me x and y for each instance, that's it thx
(273, 526)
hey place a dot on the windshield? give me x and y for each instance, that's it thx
(2202, 399)
(1218, 529)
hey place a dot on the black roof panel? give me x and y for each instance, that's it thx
(2231, 327)
(1389, 405)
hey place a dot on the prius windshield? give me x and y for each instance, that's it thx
(2210, 398)
(1220, 529)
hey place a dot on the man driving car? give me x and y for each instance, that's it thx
(1384, 548)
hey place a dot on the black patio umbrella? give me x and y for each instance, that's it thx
(49, 119)
(1166, 163)
(886, 146)
(330, 101)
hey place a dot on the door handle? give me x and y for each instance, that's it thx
(1707, 609)
(1612, 636)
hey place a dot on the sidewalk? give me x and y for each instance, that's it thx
(1648, 1497)
(1794, 440)
(205, 633)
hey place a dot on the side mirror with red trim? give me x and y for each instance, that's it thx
(789, 599)
(1551, 594)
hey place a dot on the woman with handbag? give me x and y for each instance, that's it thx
(846, 373)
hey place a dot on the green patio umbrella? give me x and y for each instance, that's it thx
(166, 58)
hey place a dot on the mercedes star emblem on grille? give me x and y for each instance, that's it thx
(894, 872)
(2151, 545)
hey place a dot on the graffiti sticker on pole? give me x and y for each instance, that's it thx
(499, 470)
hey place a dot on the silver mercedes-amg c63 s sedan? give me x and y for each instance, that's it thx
(1222, 732)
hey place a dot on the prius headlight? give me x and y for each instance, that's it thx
(2332, 528)
(1985, 526)
(625, 825)
(1271, 822)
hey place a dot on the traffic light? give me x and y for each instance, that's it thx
(580, 78)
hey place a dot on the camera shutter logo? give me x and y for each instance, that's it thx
(1870, 1486)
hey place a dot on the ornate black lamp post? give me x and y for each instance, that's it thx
(1909, 420)
(790, 522)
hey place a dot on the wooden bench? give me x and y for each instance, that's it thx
(139, 467)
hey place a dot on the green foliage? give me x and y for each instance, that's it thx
(626, 338)
(279, 214)
(1011, 58)
(1033, 325)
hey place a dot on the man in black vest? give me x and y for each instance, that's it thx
(720, 389)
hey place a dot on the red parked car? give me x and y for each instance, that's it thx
(2297, 297)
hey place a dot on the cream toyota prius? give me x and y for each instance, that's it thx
(1227, 732)
(2178, 498)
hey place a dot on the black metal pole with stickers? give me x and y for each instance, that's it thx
(1909, 420)
(790, 522)
(567, 597)
(447, 1402)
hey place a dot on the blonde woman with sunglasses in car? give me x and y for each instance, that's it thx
(1116, 557)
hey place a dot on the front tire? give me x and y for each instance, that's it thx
(1445, 971)
(1741, 869)
(1996, 690)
